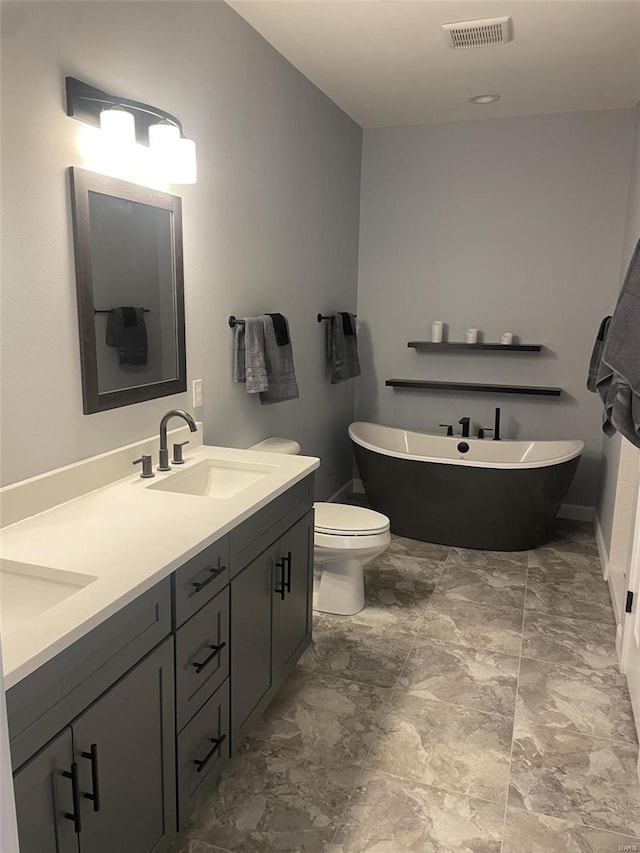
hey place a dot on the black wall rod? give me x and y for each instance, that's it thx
(233, 322)
(103, 311)
(322, 317)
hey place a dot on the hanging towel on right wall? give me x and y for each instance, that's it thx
(618, 382)
(342, 347)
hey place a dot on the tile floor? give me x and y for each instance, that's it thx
(473, 706)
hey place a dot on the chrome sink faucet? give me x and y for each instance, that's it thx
(164, 453)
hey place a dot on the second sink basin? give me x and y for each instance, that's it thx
(214, 478)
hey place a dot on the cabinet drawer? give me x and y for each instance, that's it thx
(202, 656)
(200, 579)
(260, 530)
(203, 746)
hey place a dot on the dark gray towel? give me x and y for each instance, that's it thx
(281, 374)
(126, 331)
(618, 381)
(596, 355)
(342, 347)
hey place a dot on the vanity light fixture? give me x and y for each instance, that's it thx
(484, 99)
(123, 122)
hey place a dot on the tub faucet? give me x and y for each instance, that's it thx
(164, 453)
(465, 426)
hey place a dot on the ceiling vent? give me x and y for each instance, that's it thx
(481, 33)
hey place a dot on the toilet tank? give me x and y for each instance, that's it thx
(277, 445)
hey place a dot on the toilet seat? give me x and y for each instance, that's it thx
(346, 521)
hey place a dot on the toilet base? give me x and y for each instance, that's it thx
(341, 587)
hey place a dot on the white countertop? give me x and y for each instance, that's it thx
(129, 537)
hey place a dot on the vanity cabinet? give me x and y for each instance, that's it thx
(116, 739)
(106, 782)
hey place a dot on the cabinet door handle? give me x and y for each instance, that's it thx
(75, 814)
(287, 585)
(201, 763)
(95, 782)
(282, 589)
(198, 585)
(216, 651)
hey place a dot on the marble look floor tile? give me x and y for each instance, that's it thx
(187, 845)
(568, 535)
(416, 548)
(475, 678)
(466, 624)
(390, 609)
(564, 567)
(535, 833)
(480, 584)
(357, 652)
(570, 641)
(577, 777)
(576, 699)
(390, 815)
(418, 575)
(457, 749)
(574, 600)
(516, 561)
(320, 714)
(273, 798)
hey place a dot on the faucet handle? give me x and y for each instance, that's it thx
(177, 453)
(449, 428)
(483, 430)
(147, 466)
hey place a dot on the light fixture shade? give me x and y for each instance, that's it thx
(163, 137)
(184, 169)
(118, 127)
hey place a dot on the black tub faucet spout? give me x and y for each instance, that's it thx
(465, 426)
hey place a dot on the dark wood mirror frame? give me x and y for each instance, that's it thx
(82, 183)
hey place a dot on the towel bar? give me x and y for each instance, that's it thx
(322, 317)
(233, 322)
(103, 311)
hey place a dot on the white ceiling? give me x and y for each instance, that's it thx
(386, 62)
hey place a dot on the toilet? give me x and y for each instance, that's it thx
(346, 538)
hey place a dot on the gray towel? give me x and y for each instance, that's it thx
(249, 355)
(342, 347)
(126, 331)
(618, 381)
(281, 375)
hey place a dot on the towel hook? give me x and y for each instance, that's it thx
(233, 322)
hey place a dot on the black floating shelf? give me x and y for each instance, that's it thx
(428, 385)
(461, 345)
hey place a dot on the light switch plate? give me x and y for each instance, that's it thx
(197, 393)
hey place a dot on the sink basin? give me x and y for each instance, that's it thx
(215, 478)
(26, 591)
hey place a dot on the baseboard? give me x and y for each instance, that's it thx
(602, 548)
(342, 493)
(576, 512)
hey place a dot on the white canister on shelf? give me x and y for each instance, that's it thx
(472, 336)
(436, 331)
(507, 338)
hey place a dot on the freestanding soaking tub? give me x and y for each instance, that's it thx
(474, 493)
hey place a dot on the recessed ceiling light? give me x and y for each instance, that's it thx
(484, 99)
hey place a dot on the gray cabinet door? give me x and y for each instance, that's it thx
(292, 602)
(44, 798)
(250, 639)
(131, 732)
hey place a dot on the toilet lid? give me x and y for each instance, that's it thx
(349, 520)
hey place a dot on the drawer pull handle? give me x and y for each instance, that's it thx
(75, 814)
(198, 585)
(216, 651)
(284, 564)
(287, 584)
(201, 763)
(95, 783)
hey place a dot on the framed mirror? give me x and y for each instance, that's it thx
(130, 290)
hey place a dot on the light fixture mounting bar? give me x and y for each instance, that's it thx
(86, 102)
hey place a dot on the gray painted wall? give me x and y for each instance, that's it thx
(507, 225)
(271, 225)
(611, 446)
